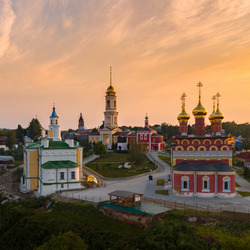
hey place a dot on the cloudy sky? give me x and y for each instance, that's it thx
(60, 51)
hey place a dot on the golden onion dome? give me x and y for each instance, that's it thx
(110, 89)
(183, 116)
(211, 117)
(218, 115)
(199, 110)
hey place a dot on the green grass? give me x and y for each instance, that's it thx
(160, 182)
(244, 194)
(165, 158)
(237, 185)
(163, 192)
(114, 157)
(240, 173)
(27, 224)
(108, 166)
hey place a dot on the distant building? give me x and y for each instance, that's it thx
(51, 164)
(202, 163)
(148, 137)
(81, 127)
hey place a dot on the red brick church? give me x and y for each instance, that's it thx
(202, 162)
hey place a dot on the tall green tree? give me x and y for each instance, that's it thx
(99, 149)
(35, 129)
(11, 140)
(136, 151)
(20, 133)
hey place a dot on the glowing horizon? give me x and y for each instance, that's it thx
(60, 51)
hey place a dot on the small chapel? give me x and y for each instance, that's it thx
(52, 164)
(202, 162)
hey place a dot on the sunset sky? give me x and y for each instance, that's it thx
(60, 51)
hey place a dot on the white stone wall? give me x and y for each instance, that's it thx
(58, 155)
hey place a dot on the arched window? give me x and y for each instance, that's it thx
(185, 183)
(226, 184)
(50, 121)
(56, 121)
(205, 183)
(108, 103)
(115, 104)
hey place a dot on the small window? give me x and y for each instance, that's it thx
(115, 104)
(145, 137)
(226, 184)
(61, 175)
(205, 185)
(62, 185)
(56, 121)
(73, 175)
(185, 183)
(108, 104)
(50, 121)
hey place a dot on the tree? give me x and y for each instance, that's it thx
(168, 130)
(35, 129)
(11, 140)
(136, 151)
(20, 133)
(64, 241)
(99, 149)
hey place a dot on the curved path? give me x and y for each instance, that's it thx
(143, 185)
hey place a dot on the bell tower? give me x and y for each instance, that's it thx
(110, 114)
(54, 128)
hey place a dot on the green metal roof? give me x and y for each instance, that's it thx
(34, 145)
(59, 164)
(58, 145)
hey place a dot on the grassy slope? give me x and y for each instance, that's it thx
(108, 166)
(24, 225)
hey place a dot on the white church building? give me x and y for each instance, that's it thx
(51, 164)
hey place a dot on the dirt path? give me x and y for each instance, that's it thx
(10, 185)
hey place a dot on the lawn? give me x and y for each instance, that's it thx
(165, 158)
(160, 182)
(244, 194)
(240, 173)
(163, 192)
(108, 165)
(237, 185)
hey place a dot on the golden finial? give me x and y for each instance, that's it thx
(214, 99)
(110, 76)
(183, 99)
(199, 85)
(218, 96)
(146, 117)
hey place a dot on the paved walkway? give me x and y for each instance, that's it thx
(143, 185)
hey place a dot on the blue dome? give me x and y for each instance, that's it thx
(54, 115)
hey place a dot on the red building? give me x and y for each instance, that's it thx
(202, 161)
(148, 137)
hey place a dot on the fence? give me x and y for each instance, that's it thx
(200, 209)
(187, 208)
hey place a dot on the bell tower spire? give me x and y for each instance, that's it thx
(54, 128)
(110, 77)
(110, 114)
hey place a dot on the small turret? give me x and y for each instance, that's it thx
(183, 117)
(199, 113)
(146, 121)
